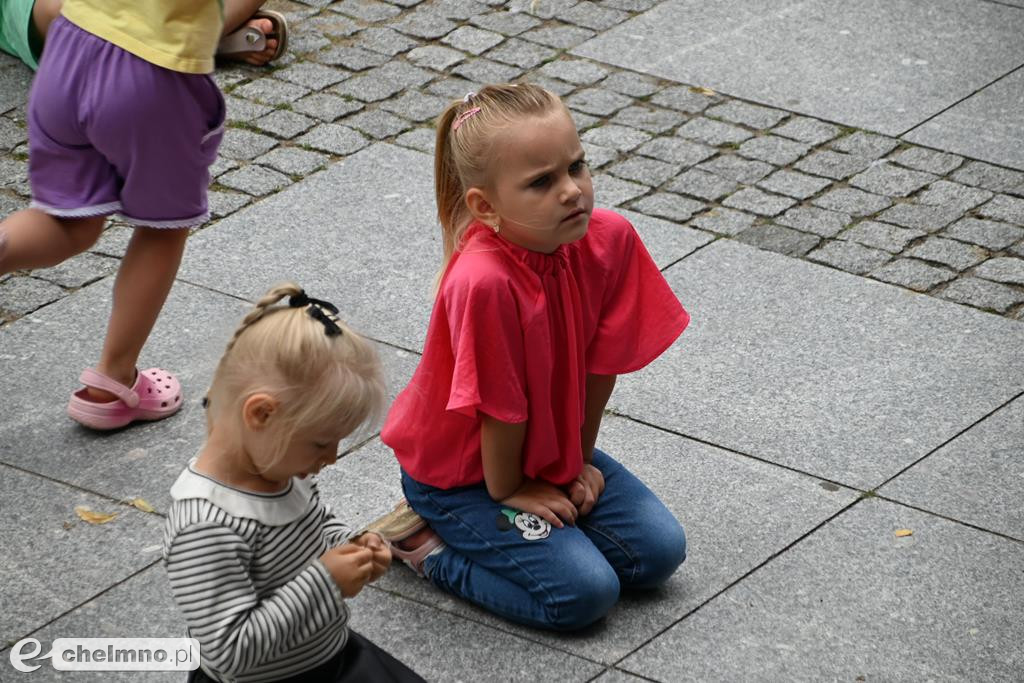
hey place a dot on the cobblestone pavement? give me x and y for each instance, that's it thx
(360, 71)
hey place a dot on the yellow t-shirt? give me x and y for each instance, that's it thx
(180, 35)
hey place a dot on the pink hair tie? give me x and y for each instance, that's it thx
(463, 116)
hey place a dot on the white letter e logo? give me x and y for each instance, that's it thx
(17, 657)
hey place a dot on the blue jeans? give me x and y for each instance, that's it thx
(520, 567)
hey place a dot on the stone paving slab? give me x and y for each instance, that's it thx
(977, 478)
(445, 647)
(42, 354)
(845, 378)
(138, 607)
(666, 241)
(987, 125)
(879, 65)
(365, 228)
(363, 485)
(52, 559)
(854, 602)
(736, 511)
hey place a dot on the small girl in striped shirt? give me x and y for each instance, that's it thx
(258, 565)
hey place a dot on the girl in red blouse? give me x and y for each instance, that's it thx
(542, 301)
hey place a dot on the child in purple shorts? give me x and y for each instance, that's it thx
(123, 118)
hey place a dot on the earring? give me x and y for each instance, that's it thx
(496, 227)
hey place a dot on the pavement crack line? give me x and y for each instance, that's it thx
(683, 258)
(824, 522)
(951, 439)
(632, 674)
(494, 627)
(236, 297)
(962, 99)
(933, 513)
(77, 487)
(1002, 4)
(37, 629)
(214, 290)
(734, 451)
(739, 580)
(873, 491)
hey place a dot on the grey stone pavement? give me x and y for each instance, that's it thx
(835, 190)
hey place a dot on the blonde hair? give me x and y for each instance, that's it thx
(319, 379)
(462, 156)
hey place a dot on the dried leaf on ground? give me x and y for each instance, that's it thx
(900, 533)
(701, 90)
(87, 515)
(141, 504)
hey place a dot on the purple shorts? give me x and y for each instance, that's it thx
(111, 133)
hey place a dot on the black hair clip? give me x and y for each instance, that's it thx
(316, 311)
(330, 326)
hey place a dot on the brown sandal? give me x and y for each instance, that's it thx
(399, 524)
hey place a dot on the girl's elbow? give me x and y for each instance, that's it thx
(500, 488)
(499, 493)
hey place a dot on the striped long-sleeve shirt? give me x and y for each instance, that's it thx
(245, 573)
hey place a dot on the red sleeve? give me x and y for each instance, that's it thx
(489, 373)
(640, 314)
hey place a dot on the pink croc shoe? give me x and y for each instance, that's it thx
(155, 395)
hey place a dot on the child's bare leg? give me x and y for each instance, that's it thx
(43, 14)
(33, 239)
(143, 282)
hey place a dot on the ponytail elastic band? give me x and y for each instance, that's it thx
(463, 116)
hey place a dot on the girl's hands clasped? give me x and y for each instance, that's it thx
(545, 500)
(357, 563)
(351, 567)
(381, 552)
(586, 489)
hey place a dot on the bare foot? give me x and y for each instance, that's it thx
(257, 58)
(416, 540)
(417, 548)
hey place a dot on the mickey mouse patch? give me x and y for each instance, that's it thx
(532, 527)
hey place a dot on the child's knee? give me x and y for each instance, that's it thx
(594, 590)
(662, 557)
(83, 232)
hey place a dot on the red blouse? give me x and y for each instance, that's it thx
(514, 333)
